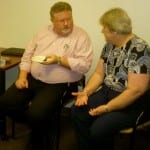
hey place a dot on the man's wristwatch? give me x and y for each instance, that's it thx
(59, 60)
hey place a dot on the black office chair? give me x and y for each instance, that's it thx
(142, 121)
(3, 130)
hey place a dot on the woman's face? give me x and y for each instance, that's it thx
(110, 36)
(63, 22)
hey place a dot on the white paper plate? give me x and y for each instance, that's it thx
(39, 59)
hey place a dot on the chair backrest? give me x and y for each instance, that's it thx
(13, 51)
(68, 97)
(144, 116)
(146, 111)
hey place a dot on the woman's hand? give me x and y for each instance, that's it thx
(82, 98)
(98, 110)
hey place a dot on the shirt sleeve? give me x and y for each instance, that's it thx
(26, 58)
(83, 56)
(139, 60)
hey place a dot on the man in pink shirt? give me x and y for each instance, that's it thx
(56, 57)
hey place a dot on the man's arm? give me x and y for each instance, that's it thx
(22, 81)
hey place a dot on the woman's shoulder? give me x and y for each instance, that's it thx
(138, 41)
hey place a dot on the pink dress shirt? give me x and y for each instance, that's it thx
(76, 46)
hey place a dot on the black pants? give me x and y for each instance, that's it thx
(98, 132)
(44, 99)
(2, 127)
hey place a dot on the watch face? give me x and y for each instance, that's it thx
(39, 59)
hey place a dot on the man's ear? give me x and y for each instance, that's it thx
(51, 19)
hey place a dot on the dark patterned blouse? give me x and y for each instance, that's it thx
(134, 57)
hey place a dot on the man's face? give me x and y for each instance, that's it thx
(63, 22)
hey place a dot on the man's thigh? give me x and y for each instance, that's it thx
(46, 101)
(14, 98)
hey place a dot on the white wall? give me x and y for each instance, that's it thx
(20, 19)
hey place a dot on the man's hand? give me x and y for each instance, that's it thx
(51, 59)
(21, 83)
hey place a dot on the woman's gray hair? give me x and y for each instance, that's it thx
(117, 20)
(59, 7)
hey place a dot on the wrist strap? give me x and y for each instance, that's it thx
(59, 60)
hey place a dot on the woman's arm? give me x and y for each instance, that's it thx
(93, 83)
(138, 84)
(96, 79)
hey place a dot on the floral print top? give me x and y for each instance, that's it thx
(134, 57)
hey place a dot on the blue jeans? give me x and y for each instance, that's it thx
(98, 132)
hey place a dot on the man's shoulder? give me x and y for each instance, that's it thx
(80, 30)
(45, 28)
(44, 31)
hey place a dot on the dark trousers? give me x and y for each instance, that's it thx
(98, 132)
(35, 106)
